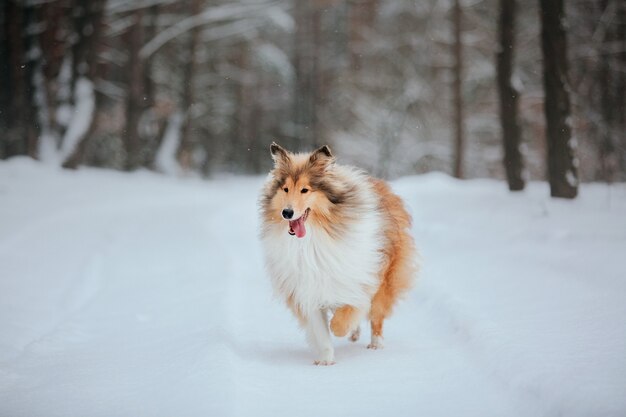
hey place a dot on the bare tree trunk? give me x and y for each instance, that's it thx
(53, 52)
(209, 140)
(611, 79)
(12, 83)
(605, 78)
(621, 84)
(5, 74)
(244, 102)
(17, 95)
(307, 69)
(185, 147)
(155, 122)
(150, 32)
(513, 163)
(361, 16)
(88, 29)
(457, 90)
(562, 164)
(134, 100)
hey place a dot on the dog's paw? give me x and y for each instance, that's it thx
(326, 357)
(377, 343)
(356, 333)
(323, 363)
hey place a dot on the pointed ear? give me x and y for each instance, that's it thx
(278, 153)
(322, 155)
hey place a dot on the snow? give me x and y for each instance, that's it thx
(140, 294)
(570, 177)
(273, 58)
(281, 19)
(81, 118)
(165, 160)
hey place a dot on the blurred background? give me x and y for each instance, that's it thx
(144, 294)
(395, 86)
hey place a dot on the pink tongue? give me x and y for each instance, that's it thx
(298, 227)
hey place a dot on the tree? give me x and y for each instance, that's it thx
(611, 29)
(621, 82)
(306, 62)
(457, 91)
(562, 162)
(513, 163)
(361, 17)
(185, 147)
(16, 80)
(135, 105)
(87, 22)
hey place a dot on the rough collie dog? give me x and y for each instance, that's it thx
(336, 241)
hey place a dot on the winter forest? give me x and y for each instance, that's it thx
(526, 90)
(135, 142)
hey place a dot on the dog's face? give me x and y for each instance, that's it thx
(299, 191)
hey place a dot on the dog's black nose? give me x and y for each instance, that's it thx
(287, 214)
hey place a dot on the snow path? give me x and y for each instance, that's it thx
(143, 295)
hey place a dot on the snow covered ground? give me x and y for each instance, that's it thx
(144, 295)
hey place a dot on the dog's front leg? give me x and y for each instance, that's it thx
(319, 337)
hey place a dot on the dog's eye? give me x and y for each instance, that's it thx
(286, 189)
(304, 190)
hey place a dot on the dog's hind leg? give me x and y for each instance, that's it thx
(399, 264)
(382, 305)
(346, 319)
(396, 281)
(377, 316)
(397, 277)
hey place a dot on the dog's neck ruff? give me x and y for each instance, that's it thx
(324, 271)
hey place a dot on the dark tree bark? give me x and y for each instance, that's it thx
(135, 92)
(53, 52)
(156, 123)
(16, 82)
(150, 32)
(562, 165)
(611, 78)
(621, 83)
(607, 110)
(361, 17)
(307, 70)
(10, 87)
(513, 163)
(457, 91)
(185, 147)
(244, 101)
(5, 74)
(88, 28)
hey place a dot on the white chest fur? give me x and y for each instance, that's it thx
(322, 272)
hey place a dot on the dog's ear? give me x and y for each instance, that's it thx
(322, 155)
(279, 154)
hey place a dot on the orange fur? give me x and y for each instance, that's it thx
(396, 272)
(399, 265)
(345, 319)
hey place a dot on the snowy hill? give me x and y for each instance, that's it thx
(143, 295)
